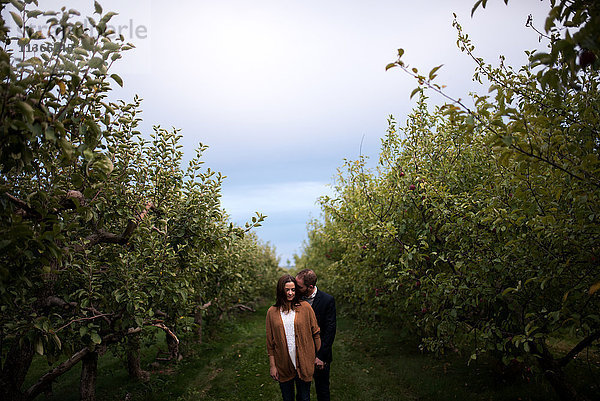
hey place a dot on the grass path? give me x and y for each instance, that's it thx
(242, 371)
(369, 365)
(239, 370)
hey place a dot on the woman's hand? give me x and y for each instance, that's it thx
(274, 373)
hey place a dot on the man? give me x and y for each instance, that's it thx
(324, 306)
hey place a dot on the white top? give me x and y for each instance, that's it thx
(290, 333)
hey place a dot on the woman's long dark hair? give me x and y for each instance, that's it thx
(281, 298)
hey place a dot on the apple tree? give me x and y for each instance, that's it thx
(478, 227)
(105, 238)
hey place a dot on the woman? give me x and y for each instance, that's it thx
(292, 341)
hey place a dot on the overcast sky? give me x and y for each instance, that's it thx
(283, 90)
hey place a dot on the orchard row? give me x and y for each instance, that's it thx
(479, 227)
(105, 238)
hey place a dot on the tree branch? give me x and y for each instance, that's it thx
(56, 301)
(105, 237)
(23, 207)
(242, 307)
(586, 342)
(166, 330)
(83, 319)
(49, 377)
(553, 164)
(203, 307)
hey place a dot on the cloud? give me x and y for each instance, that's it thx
(282, 91)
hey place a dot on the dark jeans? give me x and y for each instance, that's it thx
(321, 378)
(302, 388)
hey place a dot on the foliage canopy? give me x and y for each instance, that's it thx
(104, 236)
(479, 226)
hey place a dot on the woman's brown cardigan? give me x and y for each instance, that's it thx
(308, 341)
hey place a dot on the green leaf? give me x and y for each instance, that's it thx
(39, 347)
(17, 18)
(104, 164)
(97, 8)
(390, 65)
(66, 147)
(540, 57)
(477, 4)
(508, 290)
(95, 337)
(111, 46)
(433, 71)
(19, 5)
(26, 109)
(33, 13)
(550, 20)
(50, 135)
(57, 341)
(87, 42)
(88, 155)
(117, 79)
(96, 62)
(23, 41)
(94, 128)
(414, 92)
(80, 51)
(107, 17)
(507, 140)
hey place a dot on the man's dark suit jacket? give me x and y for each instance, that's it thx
(324, 307)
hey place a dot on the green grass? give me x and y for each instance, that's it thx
(370, 364)
(387, 367)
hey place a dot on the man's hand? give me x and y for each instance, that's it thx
(320, 364)
(274, 373)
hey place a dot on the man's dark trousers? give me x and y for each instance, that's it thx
(321, 378)
(324, 307)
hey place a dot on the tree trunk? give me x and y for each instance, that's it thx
(555, 375)
(198, 321)
(89, 372)
(173, 346)
(133, 359)
(14, 370)
(172, 342)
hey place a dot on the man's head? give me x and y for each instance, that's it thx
(306, 280)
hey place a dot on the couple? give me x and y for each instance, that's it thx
(300, 333)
